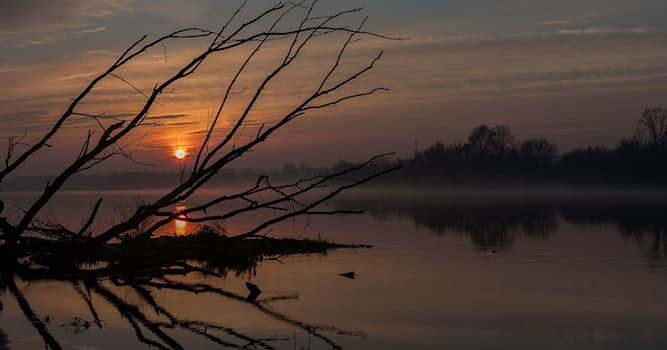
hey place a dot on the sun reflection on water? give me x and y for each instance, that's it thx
(180, 225)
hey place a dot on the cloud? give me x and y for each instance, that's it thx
(28, 14)
(182, 124)
(20, 115)
(90, 30)
(588, 18)
(603, 31)
(41, 41)
(580, 32)
(167, 117)
(78, 76)
(17, 123)
(39, 15)
(434, 73)
(556, 22)
(32, 43)
(171, 120)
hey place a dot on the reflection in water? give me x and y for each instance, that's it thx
(4, 341)
(133, 292)
(180, 225)
(494, 223)
(411, 291)
(645, 223)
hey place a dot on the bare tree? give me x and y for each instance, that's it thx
(539, 150)
(652, 128)
(487, 141)
(219, 146)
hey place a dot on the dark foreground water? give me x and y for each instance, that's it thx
(452, 270)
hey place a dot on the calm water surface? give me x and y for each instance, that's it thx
(448, 270)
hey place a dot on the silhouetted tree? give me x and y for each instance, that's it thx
(487, 141)
(492, 156)
(538, 150)
(220, 146)
(652, 128)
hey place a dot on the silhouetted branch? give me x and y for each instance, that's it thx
(125, 57)
(309, 328)
(11, 145)
(133, 312)
(135, 263)
(291, 197)
(207, 165)
(36, 322)
(89, 303)
(91, 218)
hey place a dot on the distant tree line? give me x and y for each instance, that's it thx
(492, 156)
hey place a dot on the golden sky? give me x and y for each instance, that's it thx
(576, 72)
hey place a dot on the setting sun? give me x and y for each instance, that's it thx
(180, 153)
(179, 165)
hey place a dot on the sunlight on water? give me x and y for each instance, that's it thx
(180, 225)
(447, 271)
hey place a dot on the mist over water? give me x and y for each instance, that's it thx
(171, 174)
(480, 269)
(495, 218)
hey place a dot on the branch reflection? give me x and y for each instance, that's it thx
(131, 290)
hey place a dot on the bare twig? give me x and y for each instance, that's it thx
(215, 152)
(91, 218)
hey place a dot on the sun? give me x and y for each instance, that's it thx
(180, 153)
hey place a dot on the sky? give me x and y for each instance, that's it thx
(576, 72)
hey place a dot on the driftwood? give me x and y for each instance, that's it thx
(127, 256)
(109, 136)
(146, 276)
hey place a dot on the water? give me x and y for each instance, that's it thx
(460, 270)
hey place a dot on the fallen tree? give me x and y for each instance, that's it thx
(219, 147)
(153, 323)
